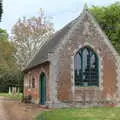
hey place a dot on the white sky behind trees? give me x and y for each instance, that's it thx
(61, 11)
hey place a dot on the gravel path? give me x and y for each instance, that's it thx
(15, 110)
(3, 114)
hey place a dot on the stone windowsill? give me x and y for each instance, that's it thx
(87, 88)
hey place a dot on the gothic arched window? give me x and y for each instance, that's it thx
(86, 68)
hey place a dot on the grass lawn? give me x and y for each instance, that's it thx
(18, 97)
(81, 114)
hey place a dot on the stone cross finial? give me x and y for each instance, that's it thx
(85, 7)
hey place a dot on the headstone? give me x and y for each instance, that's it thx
(9, 90)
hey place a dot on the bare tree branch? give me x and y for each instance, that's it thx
(28, 37)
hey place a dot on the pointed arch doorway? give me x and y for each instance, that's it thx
(42, 88)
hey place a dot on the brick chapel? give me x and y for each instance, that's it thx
(77, 67)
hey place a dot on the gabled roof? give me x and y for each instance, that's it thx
(49, 46)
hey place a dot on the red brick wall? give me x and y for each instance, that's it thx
(34, 92)
(109, 76)
(96, 41)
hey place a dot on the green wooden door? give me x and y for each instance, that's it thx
(42, 89)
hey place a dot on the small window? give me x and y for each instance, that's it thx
(29, 84)
(86, 68)
(33, 82)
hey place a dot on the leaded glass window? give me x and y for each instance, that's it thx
(86, 68)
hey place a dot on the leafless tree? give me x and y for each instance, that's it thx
(28, 35)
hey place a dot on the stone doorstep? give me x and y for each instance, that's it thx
(37, 105)
(43, 106)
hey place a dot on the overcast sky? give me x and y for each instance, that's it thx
(62, 11)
